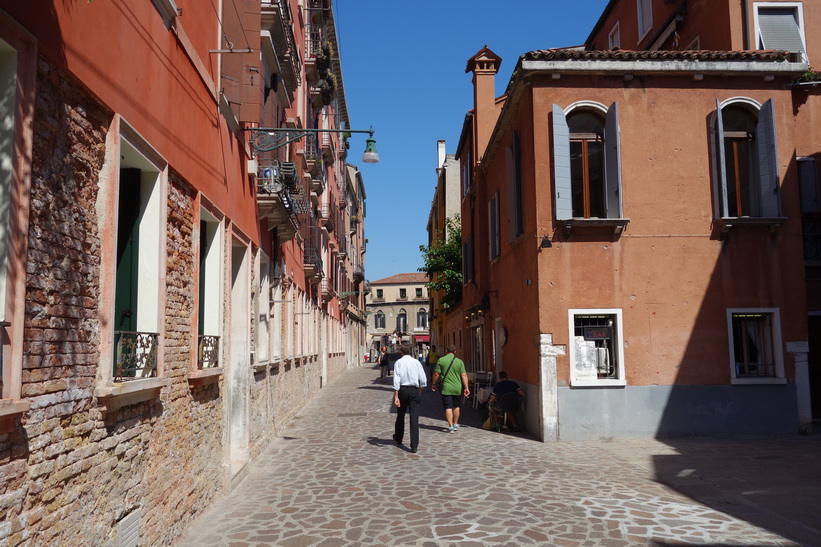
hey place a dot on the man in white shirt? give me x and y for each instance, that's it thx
(409, 379)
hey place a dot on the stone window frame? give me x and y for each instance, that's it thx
(621, 379)
(114, 395)
(210, 213)
(614, 37)
(18, 178)
(778, 376)
(798, 15)
(766, 158)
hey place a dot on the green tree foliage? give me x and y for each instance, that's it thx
(443, 263)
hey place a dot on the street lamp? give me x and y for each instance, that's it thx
(346, 294)
(265, 139)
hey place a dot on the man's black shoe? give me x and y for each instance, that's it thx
(414, 450)
(397, 440)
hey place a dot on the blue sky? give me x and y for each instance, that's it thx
(403, 66)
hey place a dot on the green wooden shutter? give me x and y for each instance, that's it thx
(128, 249)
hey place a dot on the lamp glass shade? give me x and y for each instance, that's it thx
(370, 155)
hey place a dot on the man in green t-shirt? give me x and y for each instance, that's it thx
(454, 385)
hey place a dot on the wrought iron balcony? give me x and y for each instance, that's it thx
(208, 352)
(327, 289)
(312, 263)
(327, 214)
(135, 355)
(276, 16)
(276, 202)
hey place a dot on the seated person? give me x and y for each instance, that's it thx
(503, 386)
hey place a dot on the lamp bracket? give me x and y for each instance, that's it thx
(265, 139)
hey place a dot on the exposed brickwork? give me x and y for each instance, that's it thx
(72, 471)
(184, 472)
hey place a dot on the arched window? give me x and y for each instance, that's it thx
(402, 321)
(379, 320)
(422, 318)
(746, 160)
(586, 163)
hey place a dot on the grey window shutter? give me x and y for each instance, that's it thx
(561, 165)
(778, 29)
(612, 162)
(720, 179)
(511, 193)
(767, 160)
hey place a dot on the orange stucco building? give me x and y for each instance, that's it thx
(648, 203)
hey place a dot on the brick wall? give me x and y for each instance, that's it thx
(71, 471)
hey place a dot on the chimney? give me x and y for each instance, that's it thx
(440, 154)
(484, 65)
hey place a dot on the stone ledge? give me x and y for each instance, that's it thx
(120, 394)
(10, 412)
(205, 375)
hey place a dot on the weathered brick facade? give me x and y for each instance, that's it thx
(71, 463)
(134, 144)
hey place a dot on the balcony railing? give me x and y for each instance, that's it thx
(136, 355)
(282, 32)
(208, 348)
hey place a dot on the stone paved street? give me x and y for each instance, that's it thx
(335, 477)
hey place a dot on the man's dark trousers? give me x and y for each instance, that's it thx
(409, 399)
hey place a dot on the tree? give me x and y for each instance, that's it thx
(443, 262)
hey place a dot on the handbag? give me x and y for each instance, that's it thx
(440, 382)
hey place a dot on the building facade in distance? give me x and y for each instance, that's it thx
(398, 307)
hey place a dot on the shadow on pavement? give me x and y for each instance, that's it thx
(773, 482)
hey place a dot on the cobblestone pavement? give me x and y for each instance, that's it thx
(335, 477)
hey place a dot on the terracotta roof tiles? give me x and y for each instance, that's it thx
(628, 55)
(416, 277)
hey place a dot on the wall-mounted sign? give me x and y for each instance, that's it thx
(597, 333)
(801, 346)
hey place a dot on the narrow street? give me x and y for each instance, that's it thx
(335, 477)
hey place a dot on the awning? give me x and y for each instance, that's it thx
(421, 338)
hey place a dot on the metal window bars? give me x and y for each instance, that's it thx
(135, 355)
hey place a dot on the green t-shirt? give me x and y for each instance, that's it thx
(452, 384)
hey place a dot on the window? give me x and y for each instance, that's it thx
(402, 321)
(467, 166)
(780, 25)
(596, 347)
(18, 57)
(614, 38)
(403, 294)
(645, 16)
(515, 215)
(264, 328)
(422, 318)
(494, 238)
(746, 167)
(755, 345)
(139, 263)
(467, 260)
(695, 44)
(210, 293)
(418, 292)
(587, 167)
(379, 320)
(380, 294)
(808, 185)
